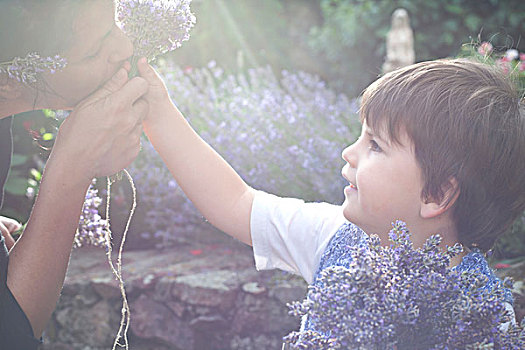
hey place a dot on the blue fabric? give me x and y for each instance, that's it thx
(349, 235)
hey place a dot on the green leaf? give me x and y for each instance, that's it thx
(455, 9)
(473, 23)
(18, 159)
(16, 186)
(48, 136)
(37, 175)
(49, 113)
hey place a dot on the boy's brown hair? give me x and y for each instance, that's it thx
(466, 123)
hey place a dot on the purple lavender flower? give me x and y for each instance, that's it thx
(27, 69)
(398, 297)
(155, 26)
(92, 229)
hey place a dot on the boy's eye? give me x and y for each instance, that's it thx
(374, 146)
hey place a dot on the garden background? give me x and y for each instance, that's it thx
(272, 85)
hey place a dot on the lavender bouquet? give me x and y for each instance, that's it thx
(398, 297)
(155, 26)
(27, 69)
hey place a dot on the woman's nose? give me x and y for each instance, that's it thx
(123, 47)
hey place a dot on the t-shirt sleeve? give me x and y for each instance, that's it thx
(291, 235)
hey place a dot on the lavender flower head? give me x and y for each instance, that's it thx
(92, 229)
(27, 69)
(155, 26)
(398, 297)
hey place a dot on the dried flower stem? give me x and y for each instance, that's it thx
(125, 311)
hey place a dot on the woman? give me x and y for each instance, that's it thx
(100, 137)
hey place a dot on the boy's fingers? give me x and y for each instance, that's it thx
(145, 70)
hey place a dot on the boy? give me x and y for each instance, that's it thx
(442, 148)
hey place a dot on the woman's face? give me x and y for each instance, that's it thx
(97, 50)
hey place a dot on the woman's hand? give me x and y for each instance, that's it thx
(8, 227)
(102, 134)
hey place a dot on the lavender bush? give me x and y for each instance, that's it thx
(282, 134)
(398, 297)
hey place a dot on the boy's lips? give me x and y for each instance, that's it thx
(350, 184)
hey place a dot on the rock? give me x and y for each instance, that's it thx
(93, 326)
(213, 288)
(106, 287)
(253, 288)
(153, 320)
(176, 307)
(255, 315)
(288, 292)
(178, 301)
(255, 343)
(212, 323)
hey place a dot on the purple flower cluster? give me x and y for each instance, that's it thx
(398, 297)
(27, 69)
(283, 135)
(92, 229)
(155, 26)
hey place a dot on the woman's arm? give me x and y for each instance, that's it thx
(205, 177)
(100, 137)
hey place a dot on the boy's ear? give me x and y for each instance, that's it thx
(432, 207)
(10, 89)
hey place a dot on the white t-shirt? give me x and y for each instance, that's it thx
(291, 235)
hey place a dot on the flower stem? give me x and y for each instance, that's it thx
(133, 72)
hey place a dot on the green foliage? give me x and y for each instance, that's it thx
(244, 34)
(33, 134)
(352, 38)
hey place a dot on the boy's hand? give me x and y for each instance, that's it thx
(8, 227)
(102, 134)
(157, 95)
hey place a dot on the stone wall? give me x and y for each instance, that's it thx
(189, 297)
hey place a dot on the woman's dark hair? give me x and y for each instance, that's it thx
(44, 26)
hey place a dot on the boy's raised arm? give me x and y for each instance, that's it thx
(205, 177)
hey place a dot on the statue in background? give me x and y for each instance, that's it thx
(399, 42)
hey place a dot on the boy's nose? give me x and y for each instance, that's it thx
(123, 48)
(349, 155)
